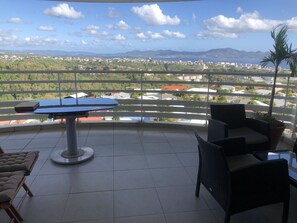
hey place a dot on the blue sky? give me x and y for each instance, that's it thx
(112, 28)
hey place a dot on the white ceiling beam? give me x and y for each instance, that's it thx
(123, 1)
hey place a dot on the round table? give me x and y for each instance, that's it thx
(70, 109)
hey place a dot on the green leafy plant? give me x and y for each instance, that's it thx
(268, 118)
(282, 52)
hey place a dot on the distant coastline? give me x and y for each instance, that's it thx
(216, 60)
(227, 55)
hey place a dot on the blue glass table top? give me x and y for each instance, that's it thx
(72, 105)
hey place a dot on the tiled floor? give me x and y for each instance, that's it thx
(138, 174)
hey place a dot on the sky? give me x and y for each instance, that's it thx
(122, 27)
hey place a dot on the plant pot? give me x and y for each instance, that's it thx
(276, 132)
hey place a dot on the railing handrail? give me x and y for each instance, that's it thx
(138, 107)
(226, 73)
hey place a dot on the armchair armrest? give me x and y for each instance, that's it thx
(259, 126)
(261, 183)
(232, 146)
(216, 130)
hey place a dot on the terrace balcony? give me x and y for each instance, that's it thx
(144, 169)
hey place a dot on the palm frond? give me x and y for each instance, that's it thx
(282, 52)
(281, 49)
(292, 61)
(268, 59)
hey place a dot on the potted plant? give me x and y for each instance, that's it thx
(282, 52)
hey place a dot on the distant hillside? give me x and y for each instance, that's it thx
(223, 53)
(215, 55)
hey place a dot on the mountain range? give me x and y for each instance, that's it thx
(214, 55)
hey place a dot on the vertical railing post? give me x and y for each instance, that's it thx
(207, 98)
(294, 121)
(294, 117)
(286, 98)
(141, 96)
(59, 86)
(75, 86)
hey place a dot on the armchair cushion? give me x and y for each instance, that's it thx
(232, 146)
(251, 136)
(258, 125)
(241, 161)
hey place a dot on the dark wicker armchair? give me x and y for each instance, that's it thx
(230, 120)
(237, 180)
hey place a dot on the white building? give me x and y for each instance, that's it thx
(201, 90)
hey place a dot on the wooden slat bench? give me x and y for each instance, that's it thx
(13, 169)
(10, 184)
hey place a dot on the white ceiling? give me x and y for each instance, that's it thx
(123, 1)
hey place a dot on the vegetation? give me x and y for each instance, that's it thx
(282, 52)
(45, 85)
(265, 117)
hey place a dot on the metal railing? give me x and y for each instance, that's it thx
(172, 96)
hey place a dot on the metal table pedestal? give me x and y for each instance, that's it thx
(73, 154)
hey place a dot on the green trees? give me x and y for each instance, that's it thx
(222, 99)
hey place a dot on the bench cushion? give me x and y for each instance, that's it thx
(9, 184)
(18, 161)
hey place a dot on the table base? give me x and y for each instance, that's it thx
(62, 157)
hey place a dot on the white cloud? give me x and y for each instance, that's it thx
(141, 36)
(119, 37)
(83, 42)
(153, 15)
(176, 35)
(153, 35)
(228, 27)
(46, 28)
(15, 20)
(112, 13)
(222, 35)
(91, 30)
(120, 25)
(63, 10)
(292, 23)
(123, 25)
(41, 41)
(6, 38)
